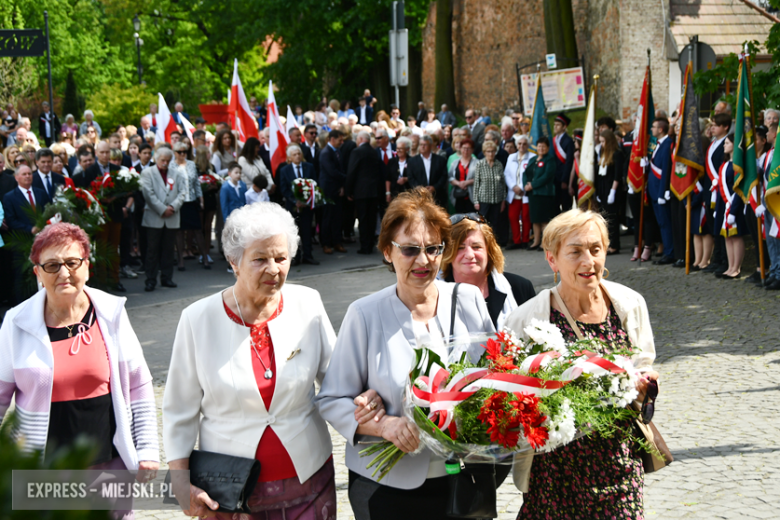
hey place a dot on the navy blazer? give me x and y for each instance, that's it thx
(16, 207)
(332, 175)
(56, 180)
(438, 176)
(177, 117)
(229, 199)
(286, 176)
(563, 170)
(661, 162)
(369, 114)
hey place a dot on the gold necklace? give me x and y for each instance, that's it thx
(70, 329)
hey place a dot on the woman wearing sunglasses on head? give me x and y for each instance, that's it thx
(375, 350)
(72, 361)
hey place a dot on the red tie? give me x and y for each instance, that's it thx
(30, 198)
(385, 156)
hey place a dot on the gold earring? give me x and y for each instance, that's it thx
(605, 274)
(555, 277)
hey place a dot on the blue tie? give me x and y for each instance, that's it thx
(48, 185)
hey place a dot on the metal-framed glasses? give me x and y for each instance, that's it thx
(54, 267)
(476, 217)
(414, 251)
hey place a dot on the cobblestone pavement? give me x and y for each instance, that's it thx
(718, 354)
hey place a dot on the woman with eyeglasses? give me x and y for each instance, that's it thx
(375, 349)
(70, 358)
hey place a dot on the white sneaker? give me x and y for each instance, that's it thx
(126, 272)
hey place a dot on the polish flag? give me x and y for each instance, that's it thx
(240, 113)
(187, 127)
(165, 122)
(278, 136)
(291, 122)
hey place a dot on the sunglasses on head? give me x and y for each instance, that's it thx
(476, 217)
(414, 251)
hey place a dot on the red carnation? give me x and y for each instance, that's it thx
(499, 362)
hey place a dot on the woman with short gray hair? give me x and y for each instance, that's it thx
(242, 376)
(89, 122)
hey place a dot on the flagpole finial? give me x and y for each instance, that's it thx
(596, 77)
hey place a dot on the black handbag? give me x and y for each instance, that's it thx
(472, 491)
(227, 479)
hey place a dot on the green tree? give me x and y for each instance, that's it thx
(71, 104)
(560, 35)
(115, 105)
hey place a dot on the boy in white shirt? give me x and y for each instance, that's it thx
(258, 193)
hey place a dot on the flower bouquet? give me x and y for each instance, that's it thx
(307, 192)
(497, 395)
(121, 183)
(209, 182)
(75, 205)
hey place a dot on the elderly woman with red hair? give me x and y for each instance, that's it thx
(72, 361)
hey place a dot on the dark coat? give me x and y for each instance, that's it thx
(286, 176)
(563, 171)
(392, 172)
(365, 175)
(438, 177)
(16, 207)
(369, 114)
(55, 127)
(541, 175)
(522, 290)
(84, 180)
(56, 180)
(314, 160)
(658, 183)
(331, 175)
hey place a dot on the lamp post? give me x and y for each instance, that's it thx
(138, 43)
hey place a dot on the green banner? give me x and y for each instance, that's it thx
(744, 156)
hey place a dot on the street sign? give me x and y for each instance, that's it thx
(15, 43)
(551, 62)
(704, 58)
(398, 41)
(402, 57)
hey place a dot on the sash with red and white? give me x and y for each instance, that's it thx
(725, 195)
(559, 151)
(583, 189)
(712, 172)
(658, 172)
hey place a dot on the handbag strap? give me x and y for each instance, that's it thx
(565, 310)
(454, 308)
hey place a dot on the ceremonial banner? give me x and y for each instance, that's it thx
(240, 113)
(586, 172)
(772, 198)
(645, 114)
(291, 122)
(165, 122)
(187, 127)
(540, 126)
(689, 152)
(278, 136)
(744, 156)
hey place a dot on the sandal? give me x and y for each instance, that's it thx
(635, 256)
(646, 253)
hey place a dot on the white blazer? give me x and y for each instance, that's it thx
(375, 350)
(212, 392)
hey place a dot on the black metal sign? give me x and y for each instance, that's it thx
(22, 42)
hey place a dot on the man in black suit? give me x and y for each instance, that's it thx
(364, 112)
(44, 178)
(429, 170)
(48, 125)
(82, 160)
(563, 146)
(422, 113)
(179, 113)
(298, 169)
(348, 219)
(365, 184)
(331, 180)
(311, 150)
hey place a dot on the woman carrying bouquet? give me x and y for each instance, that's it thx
(593, 477)
(242, 376)
(375, 350)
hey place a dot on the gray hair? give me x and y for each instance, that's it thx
(163, 152)
(404, 141)
(381, 132)
(427, 138)
(69, 116)
(178, 104)
(180, 147)
(495, 136)
(254, 222)
(772, 111)
(292, 148)
(363, 136)
(90, 112)
(522, 138)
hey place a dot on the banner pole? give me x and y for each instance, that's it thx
(641, 219)
(688, 234)
(761, 247)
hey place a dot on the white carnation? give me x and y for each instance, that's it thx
(561, 428)
(545, 333)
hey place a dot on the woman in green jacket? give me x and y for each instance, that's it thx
(539, 180)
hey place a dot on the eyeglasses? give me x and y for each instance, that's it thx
(19, 161)
(648, 405)
(523, 124)
(181, 151)
(414, 251)
(515, 118)
(54, 267)
(476, 217)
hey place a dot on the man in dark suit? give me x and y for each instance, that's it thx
(179, 113)
(16, 205)
(365, 184)
(298, 169)
(713, 161)
(563, 146)
(364, 112)
(422, 113)
(429, 170)
(265, 150)
(658, 182)
(311, 150)
(477, 129)
(44, 178)
(348, 219)
(48, 125)
(331, 180)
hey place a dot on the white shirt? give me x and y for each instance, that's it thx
(253, 196)
(235, 186)
(298, 169)
(513, 173)
(311, 147)
(401, 168)
(47, 181)
(362, 118)
(427, 164)
(32, 193)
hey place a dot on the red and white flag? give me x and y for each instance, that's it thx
(291, 122)
(187, 127)
(240, 114)
(278, 135)
(165, 122)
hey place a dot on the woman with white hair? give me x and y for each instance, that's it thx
(242, 376)
(89, 122)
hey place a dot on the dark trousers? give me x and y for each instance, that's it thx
(612, 214)
(752, 225)
(663, 215)
(679, 216)
(330, 230)
(367, 210)
(126, 242)
(492, 213)
(375, 501)
(110, 234)
(562, 198)
(464, 205)
(159, 253)
(303, 218)
(650, 231)
(349, 211)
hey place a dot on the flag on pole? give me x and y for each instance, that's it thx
(744, 156)
(165, 122)
(689, 152)
(187, 127)
(278, 137)
(240, 114)
(291, 122)
(585, 188)
(645, 114)
(772, 197)
(540, 125)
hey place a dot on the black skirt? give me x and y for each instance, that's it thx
(190, 216)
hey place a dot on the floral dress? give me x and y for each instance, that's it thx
(590, 477)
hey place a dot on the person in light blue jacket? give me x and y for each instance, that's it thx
(233, 193)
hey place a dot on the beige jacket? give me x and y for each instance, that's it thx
(632, 311)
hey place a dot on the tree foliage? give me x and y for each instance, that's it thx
(115, 105)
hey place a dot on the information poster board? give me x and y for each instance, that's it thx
(563, 90)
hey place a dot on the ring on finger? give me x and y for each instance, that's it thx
(373, 405)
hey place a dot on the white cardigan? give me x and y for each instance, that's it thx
(630, 307)
(212, 392)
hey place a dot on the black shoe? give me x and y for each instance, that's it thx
(769, 280)
(310, 261)
(168, 283)
(774, 285)
(119, 287)
(712, 268)
(182, 268)
(665, 261)
(207, 266)
(149, 287)
(720, 271)
(679, 263)
(695, 268)
(364, 251)
(754, 278)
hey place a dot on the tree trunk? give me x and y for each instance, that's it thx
(548, 30)
(445, 77)
(380, 81)
(412, 94)
(557, 29)
(569, 37)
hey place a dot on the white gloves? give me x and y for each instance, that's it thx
(643, 162)
(699, 187)
(731, 219)
(611, 198)
(598, 199)
(760, 210)
(662, 201)
(667, 195)
(630, 190)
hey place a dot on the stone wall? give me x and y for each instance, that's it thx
(602, 52)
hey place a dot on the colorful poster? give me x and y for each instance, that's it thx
(563, 90)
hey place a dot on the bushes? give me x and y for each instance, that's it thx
(114, 105)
